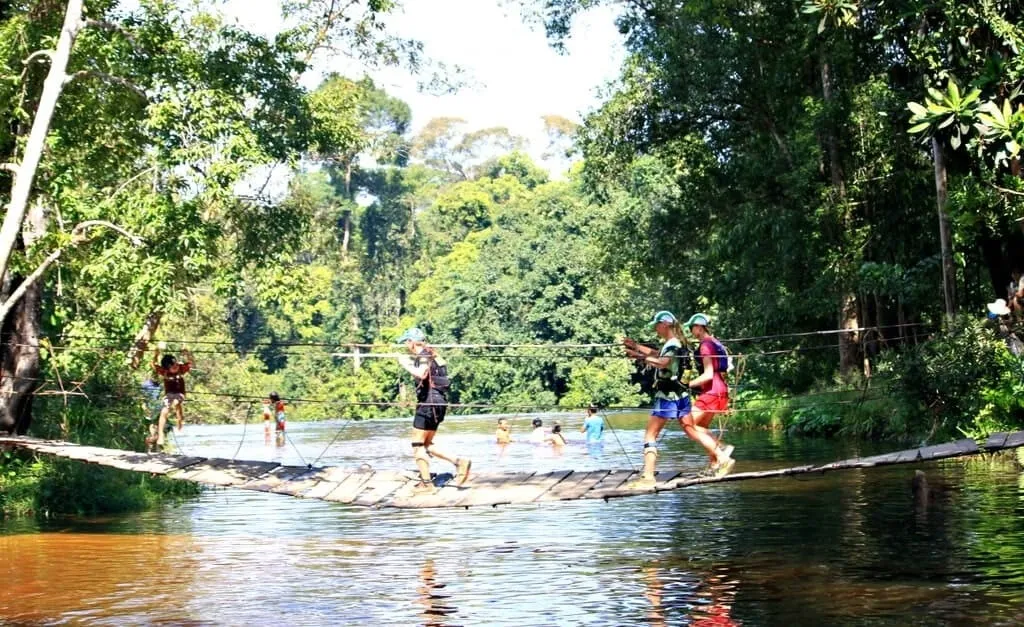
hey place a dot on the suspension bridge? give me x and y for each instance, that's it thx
(395, 489)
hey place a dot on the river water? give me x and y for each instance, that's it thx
(846, 548)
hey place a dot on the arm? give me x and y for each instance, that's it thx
(707, 375)
(156, 360)
(407, 362)
(188, 356)
(637, 351)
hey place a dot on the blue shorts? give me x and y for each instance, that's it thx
(664, 408)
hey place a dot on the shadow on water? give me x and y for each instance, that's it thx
(850, 548)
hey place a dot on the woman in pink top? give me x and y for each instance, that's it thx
(712, 363)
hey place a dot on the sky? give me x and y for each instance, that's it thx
(514, 76)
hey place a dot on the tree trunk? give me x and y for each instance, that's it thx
(347, 235)
(945, 236)
(26, 171)
(19, 354)
(143, 338)
(848, 342)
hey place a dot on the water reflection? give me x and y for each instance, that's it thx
(433, 598)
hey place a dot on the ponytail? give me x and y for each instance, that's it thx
(677, 331)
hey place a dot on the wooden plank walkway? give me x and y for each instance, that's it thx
(389, 488)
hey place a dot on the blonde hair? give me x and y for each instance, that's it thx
(677, 331)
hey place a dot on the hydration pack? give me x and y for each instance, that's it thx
(437, 374)
(721, 362)
(669, 380)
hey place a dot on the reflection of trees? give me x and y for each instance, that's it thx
(435, 606)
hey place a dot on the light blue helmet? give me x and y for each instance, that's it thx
(698, 318)
(662, 316)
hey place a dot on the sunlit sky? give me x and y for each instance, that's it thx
(514, 76)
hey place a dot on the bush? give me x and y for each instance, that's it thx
(962, 381)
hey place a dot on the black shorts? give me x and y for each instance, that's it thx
(430, 413)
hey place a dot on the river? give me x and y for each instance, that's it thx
(846, 548)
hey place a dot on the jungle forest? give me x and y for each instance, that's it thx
(837, 184)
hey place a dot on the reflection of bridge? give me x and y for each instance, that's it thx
(389, 488)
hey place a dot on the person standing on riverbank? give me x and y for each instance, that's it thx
(431, 374)
(671, 398)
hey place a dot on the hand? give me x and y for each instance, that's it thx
(629, 343)
(161, 345)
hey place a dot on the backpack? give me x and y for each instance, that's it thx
(669, 383)
(722, 362)
(437, 374)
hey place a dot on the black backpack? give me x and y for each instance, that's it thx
(437, 374)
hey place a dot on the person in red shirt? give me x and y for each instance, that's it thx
(173, 374)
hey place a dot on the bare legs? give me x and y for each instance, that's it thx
(696, 427)
(423, 449)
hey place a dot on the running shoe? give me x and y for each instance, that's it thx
(424, 487)
(725, 467)
(643, 483)
(725, 451)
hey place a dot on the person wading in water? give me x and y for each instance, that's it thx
(431, 373)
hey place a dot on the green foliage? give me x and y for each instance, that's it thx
(964, 380)
(55, 487)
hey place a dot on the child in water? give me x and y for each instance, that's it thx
(279, 417)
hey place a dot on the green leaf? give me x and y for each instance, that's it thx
(917, 128)
(954, 91)
(917, 109)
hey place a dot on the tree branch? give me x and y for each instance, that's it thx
(77, 237)
(35, 55)
(78, 233)
(1006, 191)
(116, 80)
(110, 27)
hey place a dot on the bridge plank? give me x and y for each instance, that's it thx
(349, 488)
(224, 472)
(275, 478)
(1014, 440)
(383, 484)
(322, 488)
(493, 489)
(535, 486)
(573, 486)
(612, 482)
(996, 440)
(949, 449)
